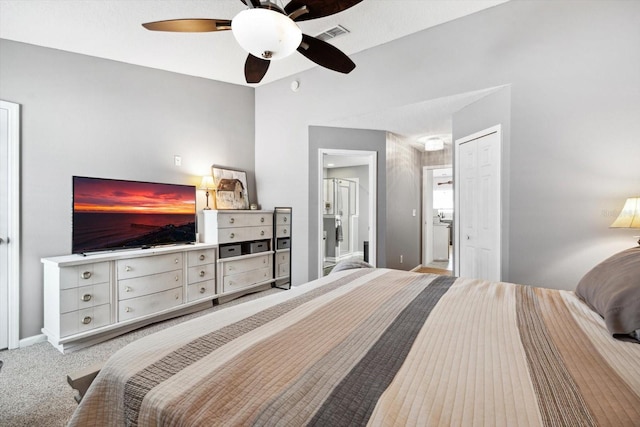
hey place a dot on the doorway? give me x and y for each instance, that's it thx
(438, 217)
(9, 224)
(347, 200)
(478, 205)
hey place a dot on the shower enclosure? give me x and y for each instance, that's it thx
(340, 219)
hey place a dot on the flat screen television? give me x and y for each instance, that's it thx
(111, 214)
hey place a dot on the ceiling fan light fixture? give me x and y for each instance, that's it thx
(265, 33)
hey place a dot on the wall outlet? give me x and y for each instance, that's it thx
(400, 259)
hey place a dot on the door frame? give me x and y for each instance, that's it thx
(497, 129)
(373, 173)
(13, 219)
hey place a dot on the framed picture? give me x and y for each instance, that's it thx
(231, 188)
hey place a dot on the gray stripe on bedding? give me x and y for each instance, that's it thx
(559, 398)
(137, 387)
(354, 398)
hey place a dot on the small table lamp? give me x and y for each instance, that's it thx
(630, 215)
(207, 184)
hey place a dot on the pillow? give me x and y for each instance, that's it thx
(612, 289)
(349, 264)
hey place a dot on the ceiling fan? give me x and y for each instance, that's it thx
(269, 32)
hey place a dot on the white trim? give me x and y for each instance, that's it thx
(36, 339)
(373, 174)
(13, 273)
(497, 129)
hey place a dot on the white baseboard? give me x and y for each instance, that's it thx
(418, 267)
(26, 342)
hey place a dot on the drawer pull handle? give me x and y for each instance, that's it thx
(262, 233)
(232, 220)
(86, 320)
(202, 273)
(264, 261)
(203, 290)
(127, 289)
(177, 260)
(86, 297)
(231, 267)
(262, 219)
(177, 278)
(284, 219)
(127, 268)
(177, 296)
(202, 257)
(284, 231)
(232, 235)
(127, 309)
(86, 274)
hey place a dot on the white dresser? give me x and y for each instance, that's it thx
(245, 241)
(282, 227)
(88, 299)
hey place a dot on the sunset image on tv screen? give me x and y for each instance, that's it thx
(111, 214)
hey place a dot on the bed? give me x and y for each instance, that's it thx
(369, 346)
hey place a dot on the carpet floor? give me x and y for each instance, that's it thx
(33, 379)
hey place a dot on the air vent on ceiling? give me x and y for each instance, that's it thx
(332, 33)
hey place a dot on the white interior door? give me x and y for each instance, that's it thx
(478, 205)
(9, 224)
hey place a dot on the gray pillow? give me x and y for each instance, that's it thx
(612, 289)
(348, 265)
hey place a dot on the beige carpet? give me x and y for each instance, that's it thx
(33, 380)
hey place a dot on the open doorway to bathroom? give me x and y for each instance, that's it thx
(347, 217)
(438, 198)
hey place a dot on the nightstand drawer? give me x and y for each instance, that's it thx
(84, 297)
(143, 266)
(139, 286)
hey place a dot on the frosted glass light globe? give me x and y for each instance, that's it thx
(265, 33)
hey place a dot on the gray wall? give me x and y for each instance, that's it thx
(86, 116)
(404, 195)
(574, 71)
(333, 138)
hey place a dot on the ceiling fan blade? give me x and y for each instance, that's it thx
(255, 68)
(318, 8)
(189, 25)
(325, 54)
(251, 3)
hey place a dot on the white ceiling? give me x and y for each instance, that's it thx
(111, 29)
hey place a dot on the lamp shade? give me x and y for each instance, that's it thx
(630, 215)
(265, 33)
(207, 183)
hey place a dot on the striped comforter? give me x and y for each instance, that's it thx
(377, 347)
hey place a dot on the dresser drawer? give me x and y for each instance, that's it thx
(83, 275)
(85, 319)
(201, 273)
(84, 297)
(244, 280)
(200, 290)
(145, 285)
(149, 304)
(143, 266)
(283, 219)
(246, 264)
(205, 256)
(229, 235)
(232, 220)
(283, 231)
